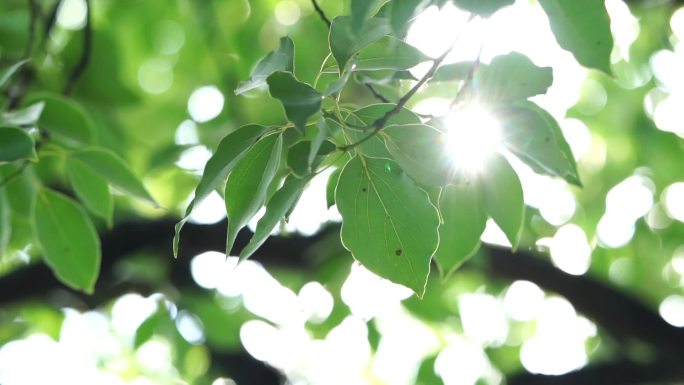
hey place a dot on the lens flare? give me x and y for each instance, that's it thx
(473, 135)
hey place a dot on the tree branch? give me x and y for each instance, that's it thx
(85, 53)
(321, 13)
(375, 93)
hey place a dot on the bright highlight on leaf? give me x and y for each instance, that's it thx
(473, 135)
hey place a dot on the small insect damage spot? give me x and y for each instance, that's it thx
(398, 252)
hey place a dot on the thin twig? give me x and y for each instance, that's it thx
(14, 175)
(33, 9)
(321, 13)
(85, 53)
(376, 93)
(380, 122)
(468, 81)
(52, 18)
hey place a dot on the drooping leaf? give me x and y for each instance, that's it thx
(331, 186)
(361, 12)
(482, 7)
(248, 184)
(228, 153)
(15, 144)
(298, 154)
(389, 53)
(7, 73)
(583, 28)
(512, 77)
(68, 238)
(281, 59)
(112, 168)
(27, 116)
(366, 116)
(345, 41)
(299, 100)
(276, 208)
(420, 150)
(503, 197)
(464, 221)
(336, 87)
(91, 188)
(65, 120)
(388, 223)
(534, 136)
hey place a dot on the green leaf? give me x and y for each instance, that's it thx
(421, 152)
(336, 87)
(248, 184)
(512, 77)
(482, 7)
(583, 28)
(276, 208)
(345, 40)
(65, 120)
(400, 13)
(454, 71)
(91, 188)
(388, 223)
(361, 11)
(534, 136)
(389, 53)
(7, 73)
(15, 144)
(463, 221)
(70, 243)
(375, 147)
(503, 197)
(27, 116)
(230, 150)
(298, 154)
(281, 59)
(299, 99)
(331, 186)
(112, 168)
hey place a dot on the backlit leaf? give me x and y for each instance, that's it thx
(299, 100)
(112, 168)
(464, 221)
(482, 7)
(248, 184)
(421, 152)
(26, 116)
(388, 223)
(91, 188)
(583, 28)
(65, 120)
(281, 59)
(365, 117)
(389, 53)
(534, 136)
(276, 208)
(511, 77)
(7, 73)
(345, 41)
(361, 11)
(70, 243)
(503, 197)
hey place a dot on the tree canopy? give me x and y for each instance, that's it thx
(357, 191)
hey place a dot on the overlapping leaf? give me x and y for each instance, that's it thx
(248, 183)
(389, 53)
(65, 120)
(299, 100)
(389, 224)
(15, 144)
(511, 77)
(281, 59)
(345, 40)
(503, 197)
(70, 243)
(583, 28)
(91, 188)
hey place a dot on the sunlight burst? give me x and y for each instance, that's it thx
(473, 135)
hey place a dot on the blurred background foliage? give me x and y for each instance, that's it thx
(158, 86)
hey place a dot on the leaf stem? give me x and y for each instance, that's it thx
(375, 93)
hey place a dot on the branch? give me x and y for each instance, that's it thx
(321, 13)
(33, 9)
(375, 93)
(85, 53)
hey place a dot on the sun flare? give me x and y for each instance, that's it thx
(473, 135)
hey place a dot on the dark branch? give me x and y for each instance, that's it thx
(321, 13)
(85, 53)
(375, 93)
(33, 10)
